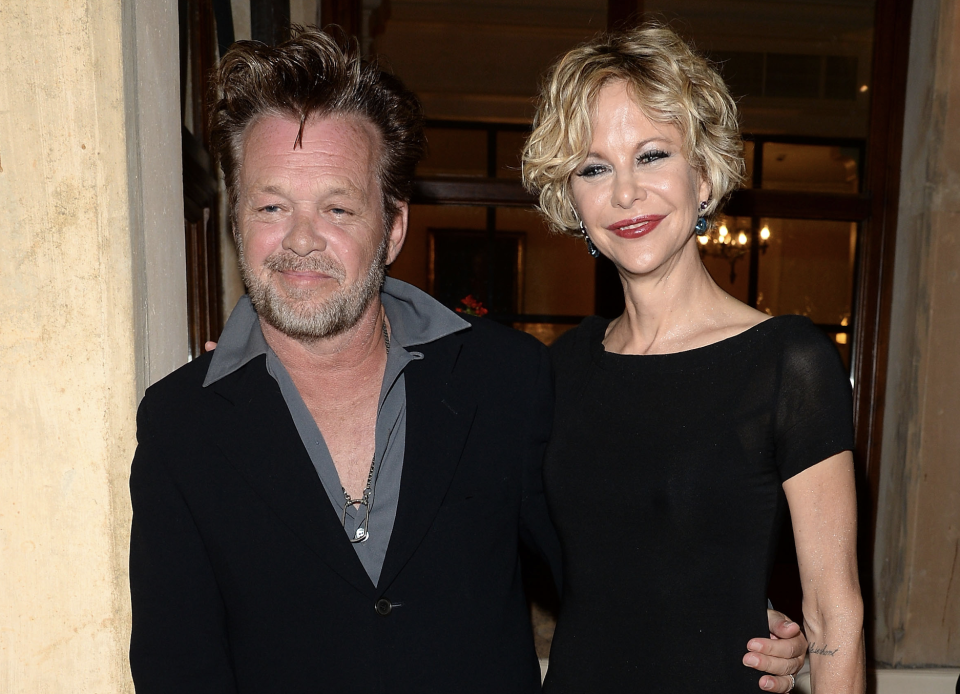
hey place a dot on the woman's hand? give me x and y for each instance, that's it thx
(823, 507)
(781, 655)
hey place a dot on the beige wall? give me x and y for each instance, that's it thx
(91, 265)
(917, 563)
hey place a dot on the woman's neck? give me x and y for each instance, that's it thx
(675, 309)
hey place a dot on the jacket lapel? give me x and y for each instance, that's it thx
(260, 438)
(438, 422)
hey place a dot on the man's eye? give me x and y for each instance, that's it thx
(270, 209)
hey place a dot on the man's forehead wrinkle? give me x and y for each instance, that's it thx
(341, 187)
(336, 155)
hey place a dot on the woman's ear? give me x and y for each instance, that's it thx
(705, 189)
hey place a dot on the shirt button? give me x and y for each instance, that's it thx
(383, 607)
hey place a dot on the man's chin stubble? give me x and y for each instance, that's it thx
(306, 321)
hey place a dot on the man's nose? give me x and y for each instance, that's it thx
(305, 235)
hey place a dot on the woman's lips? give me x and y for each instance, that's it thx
(637, 226)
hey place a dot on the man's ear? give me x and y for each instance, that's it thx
(398, 232)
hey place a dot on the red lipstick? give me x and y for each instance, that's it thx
(637, 226)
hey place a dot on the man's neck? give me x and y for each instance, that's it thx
(339, 379)
(357, 349)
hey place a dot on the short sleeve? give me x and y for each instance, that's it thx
(814, 418)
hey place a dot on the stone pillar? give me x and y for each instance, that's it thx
(917, 560)
(93, 309)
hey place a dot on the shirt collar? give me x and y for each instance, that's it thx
(415, 317)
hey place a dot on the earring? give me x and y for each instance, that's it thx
(591, 249)
(702, 225)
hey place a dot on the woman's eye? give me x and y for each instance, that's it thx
(590, 170)
(652, 156)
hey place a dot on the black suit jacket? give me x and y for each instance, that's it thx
(243, 580)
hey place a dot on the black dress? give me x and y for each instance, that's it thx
(664, 478)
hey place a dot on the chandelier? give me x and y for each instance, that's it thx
(720, 242)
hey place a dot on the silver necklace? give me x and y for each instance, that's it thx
(363, 531)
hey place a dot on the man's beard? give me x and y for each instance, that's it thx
(296, 312)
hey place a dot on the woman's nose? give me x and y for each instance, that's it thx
(627, 190)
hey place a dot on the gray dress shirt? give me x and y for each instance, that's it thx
(415, 318)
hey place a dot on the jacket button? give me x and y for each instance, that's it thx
(383, 607)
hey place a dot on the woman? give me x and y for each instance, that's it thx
(682, 423)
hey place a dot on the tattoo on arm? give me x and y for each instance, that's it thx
(821, 650)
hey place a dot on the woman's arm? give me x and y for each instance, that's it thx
(823, 507)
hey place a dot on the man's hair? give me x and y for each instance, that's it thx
(671, 84)
(314, 75)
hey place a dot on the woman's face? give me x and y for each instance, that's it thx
(635, 192)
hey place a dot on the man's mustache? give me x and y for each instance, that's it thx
(289, 262)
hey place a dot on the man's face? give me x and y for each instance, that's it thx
(310, 226)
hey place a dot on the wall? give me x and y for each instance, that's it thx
(917, 560)
(91, 265)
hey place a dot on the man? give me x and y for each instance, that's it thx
(334, 499)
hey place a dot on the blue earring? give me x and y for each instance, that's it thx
(591, 249)
(702, 225)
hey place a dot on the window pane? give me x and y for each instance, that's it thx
(558, 272)
(807, 269)
(413, 263)
(446, 251)
(810, 168)
(471, 270)
(797, 76)
(726, 258)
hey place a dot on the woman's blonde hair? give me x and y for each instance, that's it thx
(671, 83)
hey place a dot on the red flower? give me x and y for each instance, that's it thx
(474, 307)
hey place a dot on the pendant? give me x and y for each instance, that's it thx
(361, 534)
